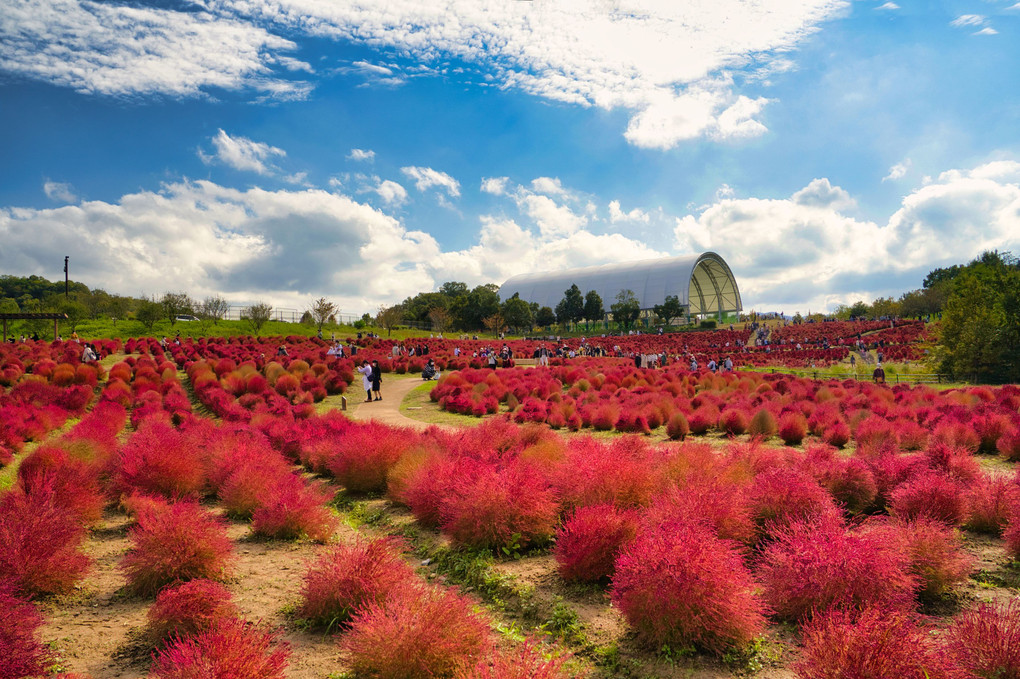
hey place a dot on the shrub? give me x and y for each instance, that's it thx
(526, 661)
(499, 508)
(622, 473)
(231, 648)
(934, 551)
(188, 609)
(177, 543)
(72, 484)
(734, 421)
(366, 453)
(781, 496)
(1009, 445)
(931, 494)
(814, 566)
(677, 427)
(836, 434)
(702, 420)
(418, 633)
(873, 644)
(248, 487)
(23, 653)
(792, 428)
(763, 425)
(715, 502)
(348, 577)
(681, 585)
(852, 485)
(158, 460)
(988, 504)
(985, 640)
(588, 542)
(293, 509)
(39, 544)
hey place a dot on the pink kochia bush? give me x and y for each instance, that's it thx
(293, 509)
(22, 653)
(188, 609)
(933, 495)
(814, 566)
(526, 661)
(779, 497)
(174, 543)
(985, 640)
(157, 460)
(348, 577)
(588, 542)
(419, 631)
(872, 644)
(230, 648)
(680, 585)
(933, 549)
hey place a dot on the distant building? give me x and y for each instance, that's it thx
(703, 283)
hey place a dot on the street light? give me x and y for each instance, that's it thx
(65, 275)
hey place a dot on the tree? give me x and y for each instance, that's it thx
(470, 310)
(148, 313)
(321, 310)
(257, 315)
(517, 313)
(495, 323)
(213, 309)
(571, 307)
(117, 307)
(593, 308)
(76, 312)
(175, 304)
(627, 308)
(545, 317)
(669, 309)
(439, 317)
(453, 289)
(885, 307)
(95, 302)
(389, 318)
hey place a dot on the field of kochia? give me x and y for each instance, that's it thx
(788, 527)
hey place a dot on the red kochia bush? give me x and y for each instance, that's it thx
(813, 566)
(986, 640)
(680, 585)
(231, 648)
(872, 644)
(293, 509)
(930, 494)
(792, 428)
(188, 609)
(525, 661)
(780, 496)
(348, 577)
(988, 504)
(71, 483)
(493, 507)
(418, 632)
(589, 541)
(157, 460)
(39, 543)
(365, 453)
(22, 653)
(178, 542)
(677, 427)
(933, 549)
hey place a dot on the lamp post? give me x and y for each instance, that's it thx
(65, 276)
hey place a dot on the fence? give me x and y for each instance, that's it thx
(908, 378)
(286, 315)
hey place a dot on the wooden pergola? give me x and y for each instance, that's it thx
(56, 318)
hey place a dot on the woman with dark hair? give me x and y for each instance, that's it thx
(366, 379)
(376, 379)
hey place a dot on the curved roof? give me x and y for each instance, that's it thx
(703, 281)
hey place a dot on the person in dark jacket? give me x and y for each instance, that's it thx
(376, 379)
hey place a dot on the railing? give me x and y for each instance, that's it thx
(865, 376)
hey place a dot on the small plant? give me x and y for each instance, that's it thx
(21, 651)
(779, 497)
(793, 428)
(763, 424)
(419, 632)
(177, 543)
(930, 494)
(231, 648)
(295, 509)
(528, 660)
(589, 541)
(188, 609)
(679, 585)
(158, 461)
(985, 640)
(348, 577)
(677, 427)
(935, 553)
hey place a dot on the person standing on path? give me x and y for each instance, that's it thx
(376, 380)
(366, 379)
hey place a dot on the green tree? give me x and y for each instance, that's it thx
(517, 313)
(321, 310)
(257, 315)
(439, 318)
(389, 317)
(213, 308)
(545, 317)
(453, 289)
(571, 307)
(76, 312)
(148, 313)
(669, 309)
(470, 311)
(176, 304)
(626, 309)
(9, 305)
(593, 308)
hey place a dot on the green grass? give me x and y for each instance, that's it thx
(418, 406)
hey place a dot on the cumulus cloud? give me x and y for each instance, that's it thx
(898, 171)
(130, 49)
(61, 191)
(425, 178)
(670, 64)
(618, 215)
(806, 252)
(550, 186)
(366, 155)
(391, 192)
(243, 154)
(494, 185)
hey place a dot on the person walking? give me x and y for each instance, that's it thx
(366, 379)
(376, 380)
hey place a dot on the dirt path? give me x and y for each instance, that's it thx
(387, 411)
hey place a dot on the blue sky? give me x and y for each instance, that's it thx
(283, 150)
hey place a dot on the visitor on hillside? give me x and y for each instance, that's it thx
(492, 359)
(694, 363)
(712, 365)
(429, 372)
(366, 379)
(879, 374)
(543, 355)
(88, 355)
(282, 351)
(728, 364)
(376, 380)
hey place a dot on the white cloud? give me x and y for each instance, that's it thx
(129, 49)
(243, 154)
(361, 155)
(494, 185)
(391, 192)
(425, 178)
(618, 215)
(552, 219)
(549, 186)
(889, 6)
(61, 191)
(898, 171)
(987, 30)
(965, 20)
